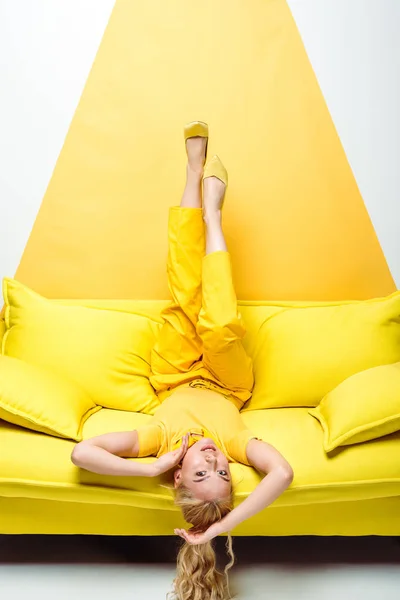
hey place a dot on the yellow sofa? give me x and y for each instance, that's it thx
(353, 490)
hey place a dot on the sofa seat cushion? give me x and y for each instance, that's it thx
(357, 472)
(36, 465)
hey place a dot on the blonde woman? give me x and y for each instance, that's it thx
(203, 377)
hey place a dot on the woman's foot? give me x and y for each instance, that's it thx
(196, 153)
(213, 196)
(213, 199)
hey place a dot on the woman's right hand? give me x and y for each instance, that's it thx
(171, 459)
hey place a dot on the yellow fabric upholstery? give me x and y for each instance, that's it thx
(300, 351)
(2, 327)
(300, 354)
(379, 516)
(360, 472)
(43, 401)
(105, 352)
(325, 485)
(363, 407)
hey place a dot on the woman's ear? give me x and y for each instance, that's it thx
(177, 477)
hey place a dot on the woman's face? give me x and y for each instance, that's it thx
(205, 471)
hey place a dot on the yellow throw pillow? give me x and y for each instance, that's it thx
(364, 407)
(43, 401)
(105, 352)
(2, 328)
(302, 353)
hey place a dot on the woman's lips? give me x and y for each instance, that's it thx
(209, 447)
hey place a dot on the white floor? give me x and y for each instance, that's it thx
(275, 568)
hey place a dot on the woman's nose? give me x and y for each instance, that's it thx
(210, 458)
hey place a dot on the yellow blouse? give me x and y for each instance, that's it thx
(202, 413)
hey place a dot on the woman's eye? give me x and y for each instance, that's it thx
(222, 472)
(201, 473)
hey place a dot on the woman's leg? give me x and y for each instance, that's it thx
(196, 152)
(178, 346)
(220, 324)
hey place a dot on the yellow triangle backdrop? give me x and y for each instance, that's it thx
(296, 225)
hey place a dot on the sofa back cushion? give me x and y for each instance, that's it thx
(301, 352)
(105, 352)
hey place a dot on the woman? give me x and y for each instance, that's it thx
(203, 377)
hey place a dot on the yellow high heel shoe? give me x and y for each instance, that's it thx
(196, 129)
(215, 168)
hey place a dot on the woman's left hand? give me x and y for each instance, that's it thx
(171, 459)
(202, 537)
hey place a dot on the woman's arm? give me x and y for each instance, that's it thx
(105, 455)
(267, 459)
(264, 458)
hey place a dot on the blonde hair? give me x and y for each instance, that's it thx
(197, 576)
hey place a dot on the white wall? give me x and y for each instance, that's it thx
(354, 47)
(47, 48)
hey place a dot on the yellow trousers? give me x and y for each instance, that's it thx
(200, 342)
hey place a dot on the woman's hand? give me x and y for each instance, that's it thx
(171, 459)
(200, 537)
